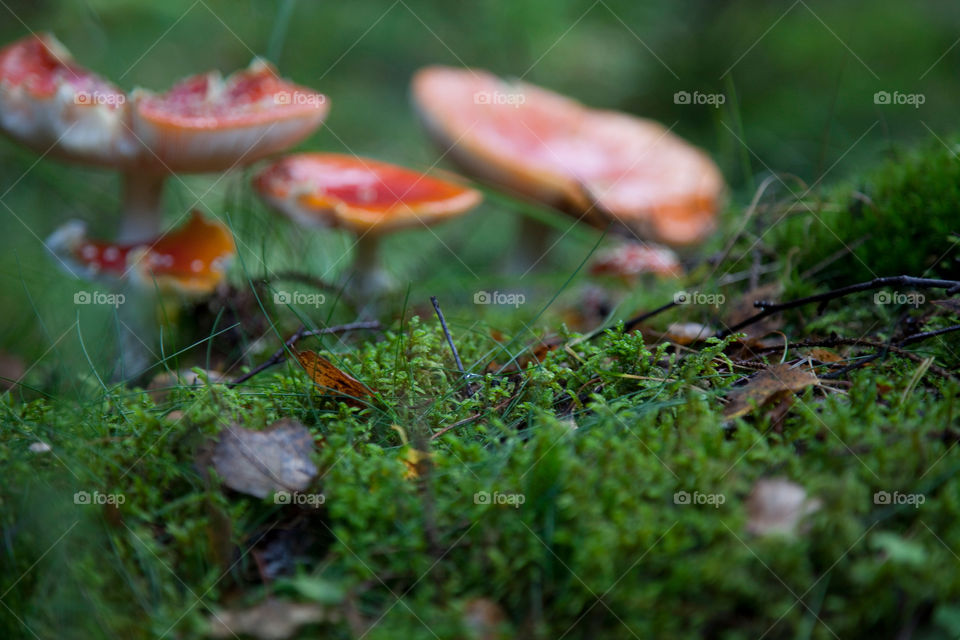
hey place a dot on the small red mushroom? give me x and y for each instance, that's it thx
(205, 123)
(603, 166)
(628, 260)
(366, 197)
(189, 260)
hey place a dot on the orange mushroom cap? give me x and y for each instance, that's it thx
(363, 195)
(49, 103)
(597, 164)
(208, 123)
(191, 259)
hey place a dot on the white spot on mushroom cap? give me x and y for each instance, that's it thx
(197, 266)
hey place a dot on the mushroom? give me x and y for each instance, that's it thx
(52, 105)
(366, 197)
(602, 166)
(190, 260)
(186, 262)
(205, 123)
(628, 260)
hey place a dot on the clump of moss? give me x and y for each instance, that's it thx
(597, 440)
(896, 219)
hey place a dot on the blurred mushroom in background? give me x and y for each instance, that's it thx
(366, 197)
(602, 167)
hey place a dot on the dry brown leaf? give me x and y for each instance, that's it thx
(329, 378)
(260, 463)
(271, 619)
(778, 506)
(826, 356)
(767, 387)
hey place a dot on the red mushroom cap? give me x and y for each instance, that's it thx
(191, 259)
(629, 259)
(597, 163)
(48, 102)
(328, 189)
(208, 123)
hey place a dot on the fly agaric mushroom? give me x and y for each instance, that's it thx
(600, 165)
(190, 260)
(50, 104)
(366, 197)
(205, 123)
(628, 260)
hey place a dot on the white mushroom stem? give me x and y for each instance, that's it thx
(142, 196)
(369, 278)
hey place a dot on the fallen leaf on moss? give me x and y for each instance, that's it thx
(778, 506)
(260, 463)
(768, 387)
(329, 378)
(824, 355)
(271, 619)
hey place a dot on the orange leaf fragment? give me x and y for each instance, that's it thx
(768, 387)
(328, 377)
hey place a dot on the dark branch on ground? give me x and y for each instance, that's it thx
(281, 354)
(453, 348)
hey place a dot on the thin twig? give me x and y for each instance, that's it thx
(769, 308)
(897, 347)
(837, 341)
(453, 348)
(643, 317)
(281, 354)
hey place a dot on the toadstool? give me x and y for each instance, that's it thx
(366, 197)
(602, 166)
(205, 123)
(190, 260)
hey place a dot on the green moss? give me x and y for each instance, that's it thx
(597, 441)
(896, 219)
